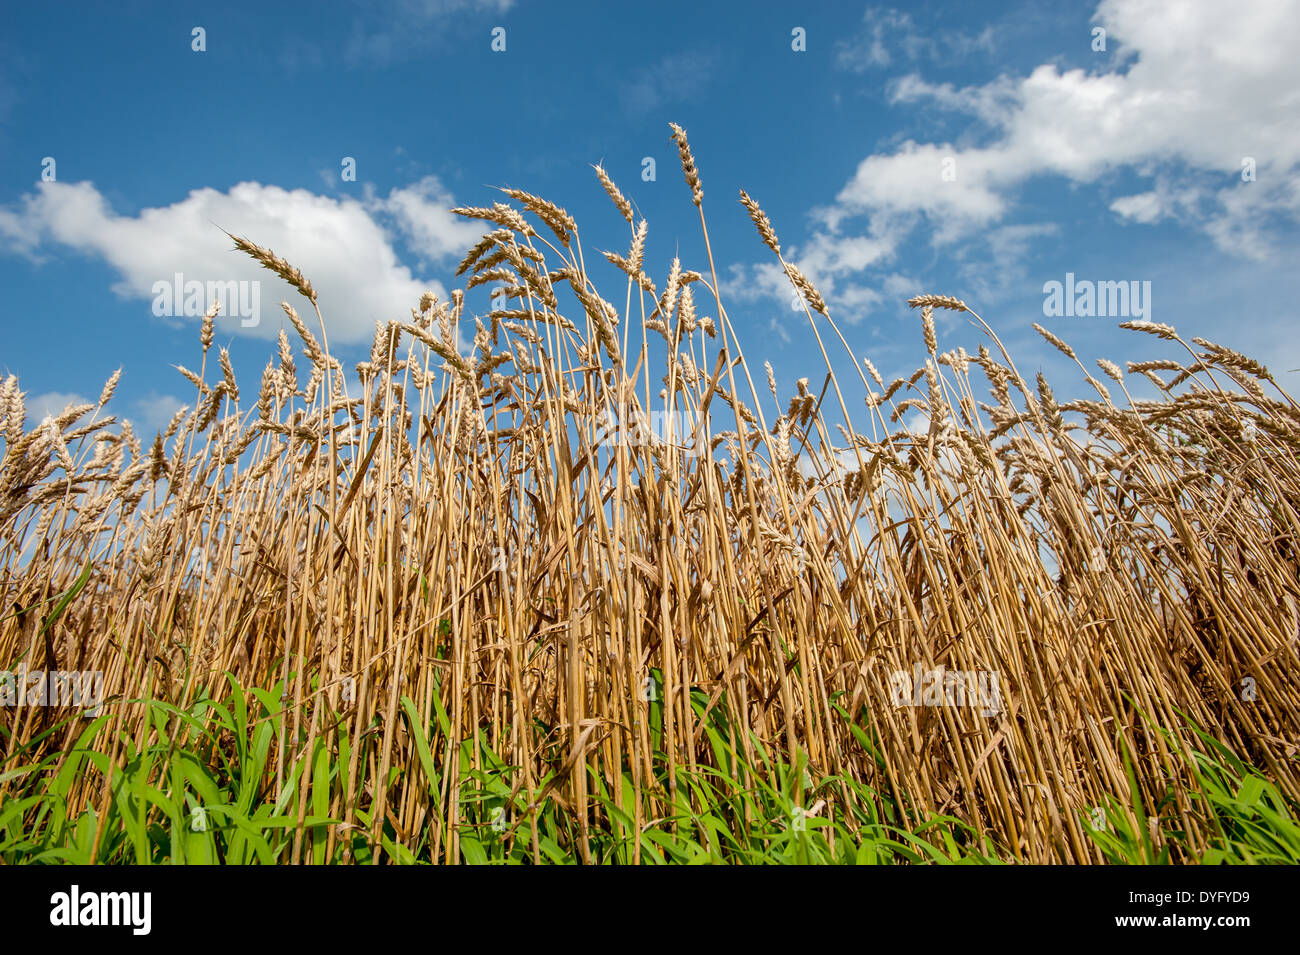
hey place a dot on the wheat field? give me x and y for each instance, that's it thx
(471, 612)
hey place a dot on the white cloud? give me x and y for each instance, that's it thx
(51, 403)
(832, 255)
(153, 411)
(343, 246)
(422, 213)
(756, 282)
(888, 34)
(1144, 207)
(829, 262)
(1189, 90)
(869, 48)
(993, 103)
(1248, 212)
(778, 329)
(1207, 84)
(150, 412)
(900, 286)
(912, 180)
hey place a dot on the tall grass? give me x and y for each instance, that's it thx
(466, 608)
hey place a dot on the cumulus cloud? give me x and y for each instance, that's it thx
(50, 404)
(1167, 200)
(153, 411)
(345, 247)
(912, 180)
(422, 213)
(1192, 92)
(1207, 86)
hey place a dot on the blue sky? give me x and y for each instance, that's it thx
(1122, 164)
